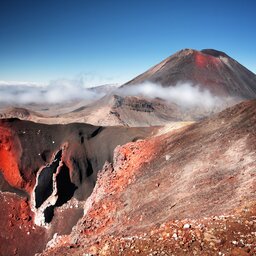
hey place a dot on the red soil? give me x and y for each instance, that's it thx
(19, 236)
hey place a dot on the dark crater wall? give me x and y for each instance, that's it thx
(75, 152)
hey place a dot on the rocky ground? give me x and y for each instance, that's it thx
(18, 231)
(187, 192)
(216, 235)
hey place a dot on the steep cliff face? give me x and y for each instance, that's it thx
(211, 69)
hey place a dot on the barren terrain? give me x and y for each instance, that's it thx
(128, 174)
(189, 191)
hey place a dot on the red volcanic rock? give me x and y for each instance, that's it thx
(46, 172)
(9, 154)
(189, 190)
(211, 69)
(207, 182)
(25, 210)
(203, 60)
(25, 147)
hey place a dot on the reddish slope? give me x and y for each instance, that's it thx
(44, 162)
(212, 69)
(9, 152)
(202, 176)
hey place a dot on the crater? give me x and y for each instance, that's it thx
(54, 188)
(44, 186)
(65, 188)
(214, 53)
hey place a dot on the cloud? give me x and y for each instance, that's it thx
(57, 91)
(183, 94)
(90, 79)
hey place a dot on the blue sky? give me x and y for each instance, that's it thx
(113, 41)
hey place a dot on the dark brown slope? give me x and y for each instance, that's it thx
(213, 70)
(37, 158)
(189, 192)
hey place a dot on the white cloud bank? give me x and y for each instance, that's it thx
(57, 91)
(61, 91)
(183, 94)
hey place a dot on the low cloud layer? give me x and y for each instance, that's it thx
(183, 94)
(57, 91)
(61, 91)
